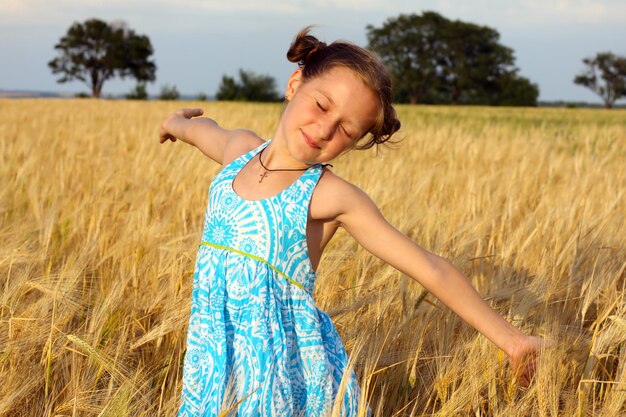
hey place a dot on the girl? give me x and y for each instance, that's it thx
(256, 341)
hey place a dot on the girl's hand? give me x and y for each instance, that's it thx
(524, 357)
(171, 128)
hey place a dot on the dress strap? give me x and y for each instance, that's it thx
(243, 159)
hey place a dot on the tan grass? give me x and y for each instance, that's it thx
(99, 224)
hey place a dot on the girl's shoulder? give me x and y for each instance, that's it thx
(240, 141)
(332, 195)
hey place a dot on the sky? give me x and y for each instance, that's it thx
(196, 42)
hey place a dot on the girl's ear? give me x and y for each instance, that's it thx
(293, 83)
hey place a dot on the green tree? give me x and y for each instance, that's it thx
(514, 90)
(407, 46)
(605, 75)
(95, 51)
(228, 89)
(138, 93)
(250, 87)
(169, 92)
(435, 60)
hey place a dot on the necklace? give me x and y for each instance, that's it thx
(263, 175)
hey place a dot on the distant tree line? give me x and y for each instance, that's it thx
(250, 87)
(432, 60)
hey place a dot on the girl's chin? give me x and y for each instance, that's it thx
(304, 154)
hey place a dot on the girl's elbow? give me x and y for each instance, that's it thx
(438, 271)
(438, 264)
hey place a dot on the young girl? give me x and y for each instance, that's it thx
(256, 340)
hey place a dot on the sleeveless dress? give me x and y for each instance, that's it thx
(257, 343)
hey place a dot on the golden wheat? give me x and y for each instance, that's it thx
(99, 224)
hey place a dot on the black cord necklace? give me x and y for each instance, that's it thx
(263, 175)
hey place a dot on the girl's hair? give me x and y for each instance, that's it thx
(315, 58)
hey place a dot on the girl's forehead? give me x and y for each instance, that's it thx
(340, 74)
(340, 82)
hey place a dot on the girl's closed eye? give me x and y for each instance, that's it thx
(347, 133)
(322, 108)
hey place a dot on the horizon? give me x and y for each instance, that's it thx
(35, 94)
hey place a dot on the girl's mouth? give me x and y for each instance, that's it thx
(309, 141)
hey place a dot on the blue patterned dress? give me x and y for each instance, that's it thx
(255, 335)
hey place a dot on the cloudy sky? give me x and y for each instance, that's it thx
(197, 41)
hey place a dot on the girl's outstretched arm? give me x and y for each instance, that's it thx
(360, 217)
(202, 132)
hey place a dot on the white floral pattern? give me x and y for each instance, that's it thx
(253, 333)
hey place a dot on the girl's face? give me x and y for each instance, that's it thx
(326, 115)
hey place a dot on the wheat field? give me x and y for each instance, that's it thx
(99, 224)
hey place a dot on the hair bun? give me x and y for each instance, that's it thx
(303, 47)
(391, 126)
(395, 126)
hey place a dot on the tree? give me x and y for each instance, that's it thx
(436, 60)
(138, 93)
(605, 75)
(95, 51)
(515, 91)
(251, 87)
(169, 92)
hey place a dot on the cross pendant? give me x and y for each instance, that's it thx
(263, 175)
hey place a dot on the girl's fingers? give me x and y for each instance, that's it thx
(164, 135)
(164, 139)
(524, 360)
(189, 113)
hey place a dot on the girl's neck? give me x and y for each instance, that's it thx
(277, 156)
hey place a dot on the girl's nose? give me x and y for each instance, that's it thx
(327, 129)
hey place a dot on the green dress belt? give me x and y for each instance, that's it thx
(258, 258)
